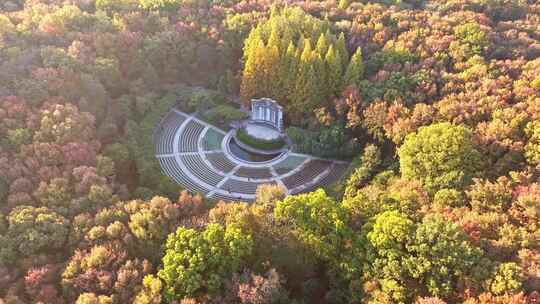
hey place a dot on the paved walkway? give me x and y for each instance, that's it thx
(181, 170)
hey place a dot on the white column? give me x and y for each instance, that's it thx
(280, 121)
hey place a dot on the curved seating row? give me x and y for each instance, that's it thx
(164, 139)
(335, 174)
(221, 197)
(232, 185)
(256, 173)
(198, 167)
(173, 170)
(308, 173)
(288, 164)
(220, 161)
(190, 137)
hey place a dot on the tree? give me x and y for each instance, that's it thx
(252, 77)
(18, 137)
(322, 225)
(202, 261)
(440, 156)
(104, 269)
(322, 45)
(532, 149)
(387, 237)
(507, 279)
(270, 70)
(151, 292)
(472, 35)
(168, 5)
(355, 69)
(370, 159)
(56, 195)
(341, 49)
(440, 257)
(91, 298)
(307, 92)
(334, 71)
(288, 70)
(117, 5)
(251, 288)
(151, 222)
(37, 230)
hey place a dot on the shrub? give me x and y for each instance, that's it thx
(261, 144)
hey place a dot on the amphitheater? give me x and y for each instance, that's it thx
(197, 156)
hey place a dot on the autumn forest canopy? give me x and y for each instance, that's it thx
(435, 103)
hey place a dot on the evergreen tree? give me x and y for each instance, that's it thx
(334, 71)
(341, 49)
(288, 72)
(251, 41)
(306, 92)
(355, 70)
(321, 74)
(322, 45)
(252, 85)
(274, 40)
(270, 72)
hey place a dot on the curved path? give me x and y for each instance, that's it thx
(196, 155)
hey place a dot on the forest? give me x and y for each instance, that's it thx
(436, 103)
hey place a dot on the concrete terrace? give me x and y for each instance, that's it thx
(195, 155)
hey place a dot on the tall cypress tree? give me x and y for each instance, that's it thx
(271, 63)
(251, 41)
(355, 70)
(334, 71)
(274, 40)
(341, 49)
(252, 78)
(322, 45)
(301, 93)
(288, 70)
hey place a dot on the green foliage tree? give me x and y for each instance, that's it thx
(118, 5)
(37, 230)
(341, 49)
(92, 298)
(152, 221)
(431, 257)
(253, 75)
(387, 237)
(507, 279)
(168, 5)
(472, 35)
(18, 137)
(440, 156)
(202, 261)
(307, 92)
(335, 71)
(370, 159)
(355, 69)
(151, 292)
(323, 226)
(440, 256)
(532, 149)
(288, 70)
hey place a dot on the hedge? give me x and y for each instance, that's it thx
(261, 144)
